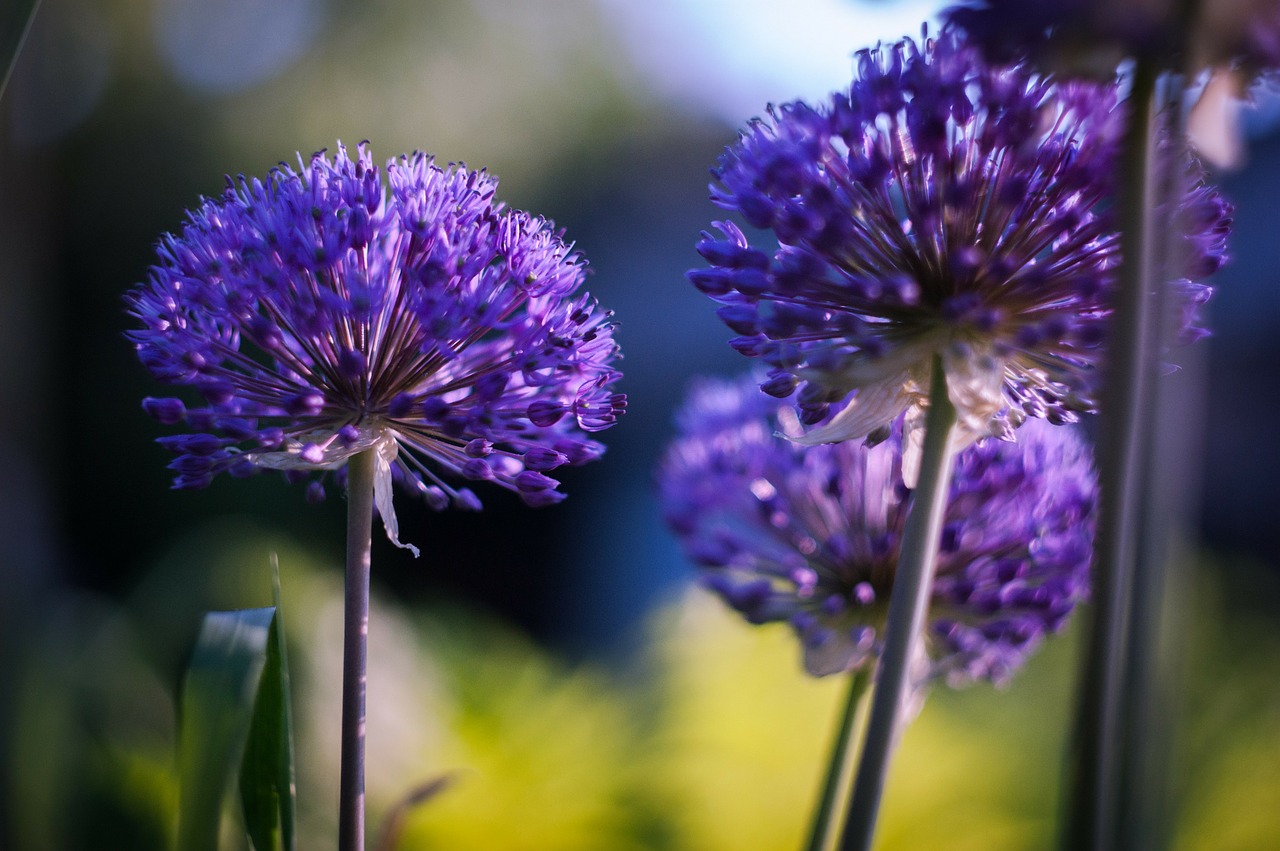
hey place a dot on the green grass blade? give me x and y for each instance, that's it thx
(218, 698)
(267, 787)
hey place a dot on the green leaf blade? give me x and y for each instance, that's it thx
(267, 785)
(218, 699)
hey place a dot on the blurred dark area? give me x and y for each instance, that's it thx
(1242, 404)
(121, 114)
(104, 153)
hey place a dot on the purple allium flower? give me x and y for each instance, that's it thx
(345, 307)
(1091, 36)
(941, 206)
(810, 536)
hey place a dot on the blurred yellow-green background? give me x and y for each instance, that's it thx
(556, 665)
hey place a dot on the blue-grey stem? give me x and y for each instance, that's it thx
(1167, 503)
(355, 635)
(908, 607)
(824, 816)
(1090, 820)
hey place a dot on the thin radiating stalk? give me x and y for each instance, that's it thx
(360, 470)
(1090, 821)
(908, 606)
(824, 816)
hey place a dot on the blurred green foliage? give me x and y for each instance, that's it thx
(235, 721)
(710, 739)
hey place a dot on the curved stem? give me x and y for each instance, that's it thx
(1090, 819)
(908, 606)
(824, 817)
(355, 636)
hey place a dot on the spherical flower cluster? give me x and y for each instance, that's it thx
(810, 536)
(345, 307)
(1091, 36)
(940, 207)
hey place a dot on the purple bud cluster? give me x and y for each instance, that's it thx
(810, 536)
(939, 205)
(1091, 36)
(343, 307)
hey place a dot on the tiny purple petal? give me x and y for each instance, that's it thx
(543, 459)
(165, 411)
(545, 413)
(531, 480)
(478, 448)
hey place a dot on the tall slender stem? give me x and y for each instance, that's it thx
(1090, 820)
(824, 816)
(360, 470)
(908, 606)
(1167, 504)
(9, 51)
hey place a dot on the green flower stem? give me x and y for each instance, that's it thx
(360, 470)
(15, 38)
(908, 606)
(1090, 821)
(824, 816)
(1144, 808)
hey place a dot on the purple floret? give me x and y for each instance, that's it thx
(810, 536)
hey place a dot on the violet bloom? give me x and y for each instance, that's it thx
(941, 207)
(810, 536)
(345, 307)
(1236, 41)
(1091, 36)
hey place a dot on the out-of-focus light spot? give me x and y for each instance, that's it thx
(1261, 114)
(223, 46)
(61, 73)
(731, 57)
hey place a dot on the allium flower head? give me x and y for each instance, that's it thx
(1092, 36)
(943, 207)
(345, 307)
(810, 536)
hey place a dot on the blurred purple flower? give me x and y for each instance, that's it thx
(943, 207)
(810, 536)
(1092, 36)
(344, 307)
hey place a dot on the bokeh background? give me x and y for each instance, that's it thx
(555, 664)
